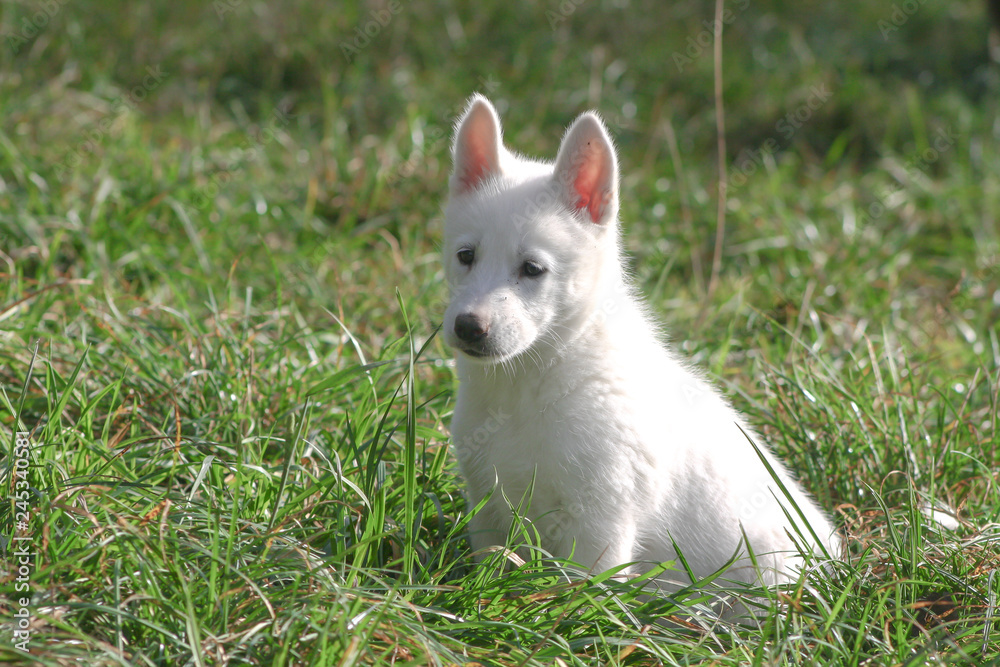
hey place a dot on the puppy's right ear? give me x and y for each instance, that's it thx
(586, 171)
(477, 145)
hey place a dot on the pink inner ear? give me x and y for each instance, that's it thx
(590, 183)
(476, 156)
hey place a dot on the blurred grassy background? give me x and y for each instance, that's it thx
(361, 119)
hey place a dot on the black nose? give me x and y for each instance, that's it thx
(471, 328)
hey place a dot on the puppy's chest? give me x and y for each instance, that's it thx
(557, 430)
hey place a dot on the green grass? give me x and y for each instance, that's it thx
(220, 287)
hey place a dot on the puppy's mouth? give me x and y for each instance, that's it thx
(477, 353)
(482, 354)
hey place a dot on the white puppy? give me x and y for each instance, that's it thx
(570, 409)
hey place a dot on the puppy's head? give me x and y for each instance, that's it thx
(526, 243)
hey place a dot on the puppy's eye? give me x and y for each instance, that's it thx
(532, 269)
(466, 256)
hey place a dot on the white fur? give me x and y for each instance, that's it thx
(569, 406)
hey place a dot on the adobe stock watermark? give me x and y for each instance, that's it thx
(696, 45)
(476, 440)
(21, 543)
(901, 13)
(750, 159)
(122, 104)
(370, 28)
(250, 150)
(32, 25)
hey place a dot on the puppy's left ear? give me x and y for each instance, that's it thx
(586, 172)
(478, 142)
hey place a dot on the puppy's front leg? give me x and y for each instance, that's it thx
(598, 543)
